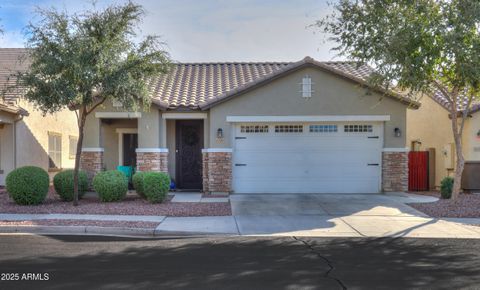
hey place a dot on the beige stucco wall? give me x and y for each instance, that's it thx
(149, 127)
(332, 96)
(471, 141)
(32, 136)
(431, 125)
(171, 145)
(6, 151)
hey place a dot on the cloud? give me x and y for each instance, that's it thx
(216, 30)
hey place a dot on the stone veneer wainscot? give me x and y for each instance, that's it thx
(152, 159)
(91, 161)
(217, 171)
(395, 170)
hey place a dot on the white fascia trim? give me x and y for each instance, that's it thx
(184, 116)
(215, 150)
(118, 115)
(93, 149)
(151, 150)
(396, 149)
(334, 118)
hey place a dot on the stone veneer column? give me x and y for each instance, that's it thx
(217, 171)
(152, 159)
(395, 169)
(91, 161)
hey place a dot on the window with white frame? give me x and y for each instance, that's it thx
(254, 128)
(288, 128)
(54, 150)
(323, 128)
(307, 87)
(358, 128)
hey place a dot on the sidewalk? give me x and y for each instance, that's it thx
(301, 225)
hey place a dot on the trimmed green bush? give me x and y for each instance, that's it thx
(156, 186)
(28, 185)
(137, 181)
(63, 184)
(111, 185)
(446, 186)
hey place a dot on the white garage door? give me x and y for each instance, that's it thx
(307, 158)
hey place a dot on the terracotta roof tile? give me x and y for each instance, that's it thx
(10, 63)
(194, 85)
(440, 98)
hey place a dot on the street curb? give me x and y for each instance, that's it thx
(102, 231)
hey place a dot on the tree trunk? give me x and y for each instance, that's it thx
(460, 161)
(81, 125)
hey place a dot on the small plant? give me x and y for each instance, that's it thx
(111, 185)
(137, 181)
(446, 186)
(28, 185)
(63, 184)
(156, 186)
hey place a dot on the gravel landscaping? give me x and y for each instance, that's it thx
(131, 205)
(143, 225)
(467, 206)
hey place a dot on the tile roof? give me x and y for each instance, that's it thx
(194, 85)
(201, 85)
(440, 98)
(10, 63)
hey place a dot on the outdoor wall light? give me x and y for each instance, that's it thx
(219, 133)
(478, 134)
(397, 132)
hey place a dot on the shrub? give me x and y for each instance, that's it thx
(156, 186)
(28, 185)
(137, 181)
(446, 186)
(111, 185)
(63, 183)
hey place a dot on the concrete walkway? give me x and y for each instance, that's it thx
(325, 215)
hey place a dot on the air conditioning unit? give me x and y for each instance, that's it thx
(449, 156)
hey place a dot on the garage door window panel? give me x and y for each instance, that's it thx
(358, 128)
(254, 129)
(288, 128)
(323, 128)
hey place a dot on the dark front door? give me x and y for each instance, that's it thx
(130, 143)
(189, 143)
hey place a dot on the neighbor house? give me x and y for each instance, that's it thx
(26, 136)
(430, 129)
(267, 127)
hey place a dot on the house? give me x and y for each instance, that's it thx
(26, 136)
(273, 127)
(430, 129)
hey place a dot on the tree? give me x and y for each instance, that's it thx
(82, 60)
(418, 46)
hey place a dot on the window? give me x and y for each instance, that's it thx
(323, 128)
(72, 147)
(358, 128)
(288, 128)
(55, 150)
(254, 129)
(307, 87)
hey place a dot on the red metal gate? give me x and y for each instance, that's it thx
(418, 170)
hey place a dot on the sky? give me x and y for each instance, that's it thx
(205, 30)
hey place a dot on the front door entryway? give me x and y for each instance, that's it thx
(130, 144)
(189, 143)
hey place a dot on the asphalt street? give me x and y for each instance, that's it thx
(85, 262)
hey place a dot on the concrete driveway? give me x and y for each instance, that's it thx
(352, 215)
